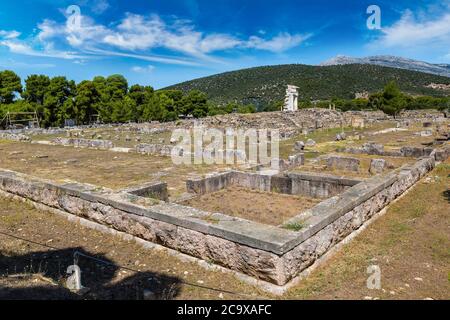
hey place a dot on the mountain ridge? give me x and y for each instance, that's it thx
(440, 69)
(267, 84)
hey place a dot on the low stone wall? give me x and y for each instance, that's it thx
(209, 184)
(84, 143)
(306, 184)
(272, 254)
(154, 149)
(155, 190)
(14, 136)
(319, 185)
(440, 154)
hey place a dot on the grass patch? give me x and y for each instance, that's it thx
(295, 226)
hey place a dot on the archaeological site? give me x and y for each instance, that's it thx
(224, 159)
(336, 173)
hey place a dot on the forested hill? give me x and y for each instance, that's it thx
(263, 85)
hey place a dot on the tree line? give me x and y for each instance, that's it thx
(391, 101)
(112, 100)
(106, 99)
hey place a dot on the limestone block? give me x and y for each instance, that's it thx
(377, 166)
(343, 163)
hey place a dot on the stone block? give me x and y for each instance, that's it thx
(343, 163)
(377, 166)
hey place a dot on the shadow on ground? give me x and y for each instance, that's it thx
(42, 276)
(447, 195)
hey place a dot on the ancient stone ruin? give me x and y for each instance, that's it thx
(291, 100)
(346, 181)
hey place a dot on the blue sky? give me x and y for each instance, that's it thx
(163, 42)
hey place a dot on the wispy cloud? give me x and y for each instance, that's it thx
(280, 43)
(137, 36)
(151, 58)
(23, 48)
(146, 69)
(9, 34)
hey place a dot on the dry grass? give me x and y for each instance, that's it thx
(263, 207)
(97, 167)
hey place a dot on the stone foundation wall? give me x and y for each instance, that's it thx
(268, 253)
(209, 184)
(440, 154)
(14, 136)
(313, 185)
(155, 190)
(318, 185)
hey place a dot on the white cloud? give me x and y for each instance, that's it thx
(136, 32)
(147, 69)
(280, 43)
(151, 58)
(410, 32)
(216, 42)
(137, 36)
(19, 47)
(9, 34)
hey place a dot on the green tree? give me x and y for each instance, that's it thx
(59, 90)
(155, 110)
(116, 86)
(10, 86)
(67, 111)
(140, 95)
(250, 108)
(16, 106)
(87, 101)
(35, 88)
(194, 103)
(123, 110)
(391, 101)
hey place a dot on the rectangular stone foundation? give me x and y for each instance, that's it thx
(306, 184)
(272, 254)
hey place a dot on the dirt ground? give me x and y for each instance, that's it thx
(410, 244)
(263, 207)
(28, 270)
(98, 167)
